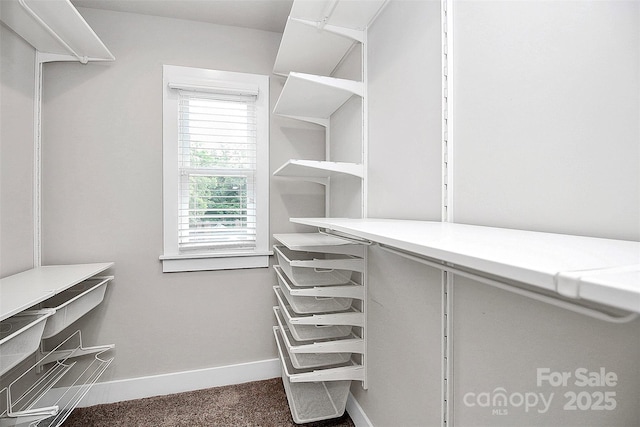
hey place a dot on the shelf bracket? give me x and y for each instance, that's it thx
(316, 120)
(357, 35)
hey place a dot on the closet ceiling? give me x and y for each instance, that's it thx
(268, 15)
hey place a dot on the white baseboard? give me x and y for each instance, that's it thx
(178, 382)
(356, 413)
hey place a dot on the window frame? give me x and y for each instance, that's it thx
(200, 79)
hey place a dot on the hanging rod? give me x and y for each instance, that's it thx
(574, 307)
(329, 232)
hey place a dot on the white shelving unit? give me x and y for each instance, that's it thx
(317, 38)
(54, 297)
(601, 271)
(322, 294)
(55, 29)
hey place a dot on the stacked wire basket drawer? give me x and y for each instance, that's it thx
(320, 322)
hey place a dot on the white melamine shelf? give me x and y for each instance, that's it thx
(319, 34)
(26, 289)
(604, 271)
(318, 170)
(54, 28)
(315, 98)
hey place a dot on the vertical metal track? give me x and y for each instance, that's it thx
(363, 195)
(37, 163)
(447, 212)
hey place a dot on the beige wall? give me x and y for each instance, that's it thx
(17, 81)
(102, 175)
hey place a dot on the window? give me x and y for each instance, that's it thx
(215, 169)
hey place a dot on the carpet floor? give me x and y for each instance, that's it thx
(260, 403)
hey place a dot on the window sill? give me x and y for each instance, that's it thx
(225, 261)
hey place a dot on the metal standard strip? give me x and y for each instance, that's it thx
(576, 308)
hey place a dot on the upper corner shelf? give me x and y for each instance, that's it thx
(319, 34)
(309, 97)
(55, 29)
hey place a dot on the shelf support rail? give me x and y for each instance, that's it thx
(574, 307)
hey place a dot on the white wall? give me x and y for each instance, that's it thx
(102, 137)
(404, 48)
(546, 113)
(546, 137)
(17, 77)
(403, 305)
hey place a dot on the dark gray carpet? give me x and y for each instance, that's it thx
(260, 403)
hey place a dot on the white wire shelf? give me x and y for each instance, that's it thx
(55, 29)
(43, 405)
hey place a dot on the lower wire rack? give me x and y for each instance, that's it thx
(42, 405)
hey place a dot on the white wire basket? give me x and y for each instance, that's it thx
(313, 400)
(20, 337)
(316, 268)
(309, 304)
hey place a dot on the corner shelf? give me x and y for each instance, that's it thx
(319, 34)
(55, 29)
(318, 171)
(315, 98)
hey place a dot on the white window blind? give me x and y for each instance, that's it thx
(217, 137)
